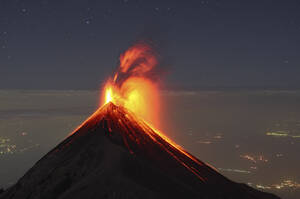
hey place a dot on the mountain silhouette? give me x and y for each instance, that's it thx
(114, 154)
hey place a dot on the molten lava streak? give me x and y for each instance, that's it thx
(134, 88)
(130, 99)
(133, 85)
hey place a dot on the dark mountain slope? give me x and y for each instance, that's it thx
(113, 154)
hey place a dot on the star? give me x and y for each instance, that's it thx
(23, 10)
(88, 20)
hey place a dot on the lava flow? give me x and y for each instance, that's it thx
(133, 88)
(133, 92)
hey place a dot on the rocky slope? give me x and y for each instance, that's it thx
(113, 154)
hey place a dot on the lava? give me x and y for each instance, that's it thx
(133, 85)
(140, 137)
(134, 88)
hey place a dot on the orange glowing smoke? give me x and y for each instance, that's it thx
(133, 85)
(134, 90)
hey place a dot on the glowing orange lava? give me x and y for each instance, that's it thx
(133, 88)
(131, 108)
(133, 85)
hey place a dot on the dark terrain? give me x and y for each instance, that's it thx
(113, 154)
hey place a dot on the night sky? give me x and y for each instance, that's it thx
(75, 44)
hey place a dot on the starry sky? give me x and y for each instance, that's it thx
(75, 44)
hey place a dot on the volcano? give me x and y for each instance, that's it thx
(115, 154)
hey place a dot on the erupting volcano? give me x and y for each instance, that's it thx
(134, 86)
(116, 153)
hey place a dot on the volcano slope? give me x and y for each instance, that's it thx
(113, 154)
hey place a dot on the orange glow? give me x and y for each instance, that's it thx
(131, 109)
(138, 60)
(132, 86)
(108, 96)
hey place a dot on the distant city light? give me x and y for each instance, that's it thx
(285, 184)
(235, 170)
